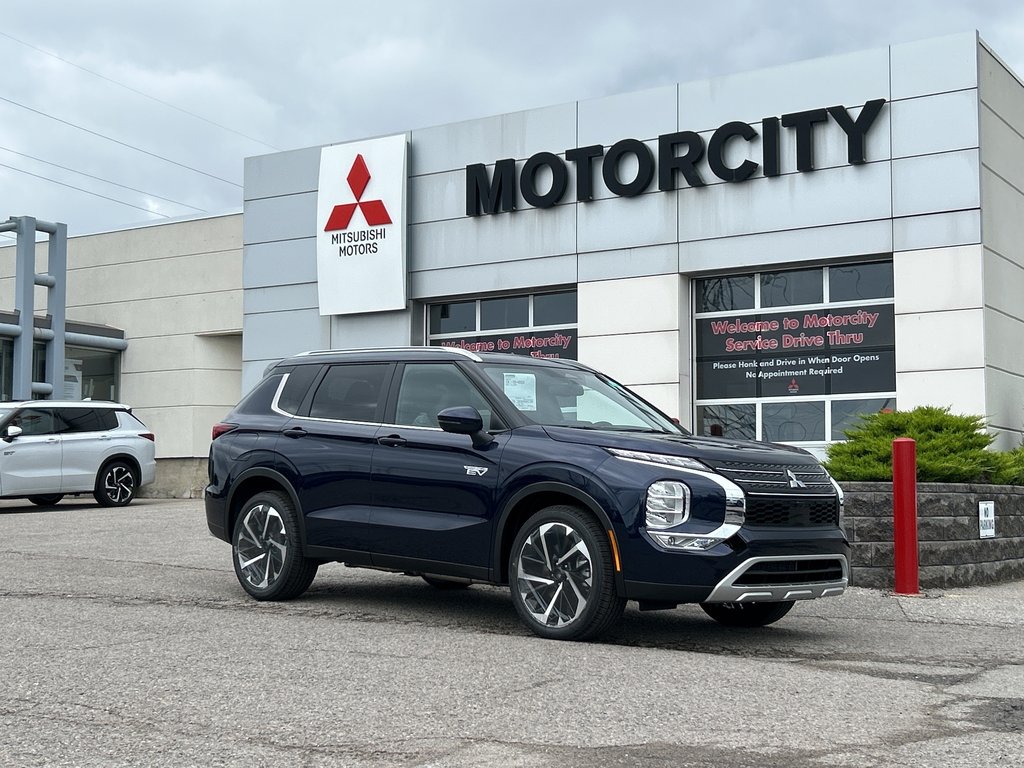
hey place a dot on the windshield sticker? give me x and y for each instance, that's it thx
(521, 389)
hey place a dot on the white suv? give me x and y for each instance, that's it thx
(53, 448)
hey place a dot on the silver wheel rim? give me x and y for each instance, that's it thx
(555, 575)
(119, 484)
(261, 546)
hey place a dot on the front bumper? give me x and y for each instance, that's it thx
(756, 565)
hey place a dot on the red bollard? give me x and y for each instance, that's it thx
(904, 506)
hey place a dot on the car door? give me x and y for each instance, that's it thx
(433, 492)
(31, 462)
(85, 438)
(330, 446)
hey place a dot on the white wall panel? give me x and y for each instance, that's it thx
(939, 123)
(280, 218)
(282, 173)
(933, 183)
(487, 278)
(279, 263)
(940, 341)
(627, 222)
(934, 230)
(280, 298)
(962, 391)
(934, 65)
(633, 359)
(630, 262)
(938, 279)
(641, 305)
(280, 334)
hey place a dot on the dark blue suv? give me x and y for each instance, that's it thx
(541, 474)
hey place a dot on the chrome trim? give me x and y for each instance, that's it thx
(277, 396)
(725, 483)
(720, 534)
(726, 591)
(457, 350)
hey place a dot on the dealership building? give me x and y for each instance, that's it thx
(763, 255)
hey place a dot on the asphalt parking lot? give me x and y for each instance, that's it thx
(125, 640)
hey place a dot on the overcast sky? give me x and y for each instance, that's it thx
(248, 77)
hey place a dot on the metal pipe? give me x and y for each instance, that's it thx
(46, 280)
(95, 342)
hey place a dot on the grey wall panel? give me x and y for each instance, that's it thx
(437, 197)
(627, 222)
(786, 246)
(934, 183)
(1002, 147)
(280, 334)
(938, 123)
(279, 298)
(1004, 217)
(526, 234)
(639, 115)
(934, 66)
(1004, 286)
(936, 230)
(282, 173)
(252, 373)
(849, 79)
(279, 263)
(825, 197)
(376, 329)
(279, 218)
(1000, 90)
(506, 276)
(631, 262)
(518, 135)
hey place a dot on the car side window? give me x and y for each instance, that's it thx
(34, 421)
(350, 393)
(78, 420)
(428, 388)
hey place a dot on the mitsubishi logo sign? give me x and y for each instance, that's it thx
(373, 210)
(360, 241)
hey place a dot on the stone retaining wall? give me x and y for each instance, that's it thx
(951, 553)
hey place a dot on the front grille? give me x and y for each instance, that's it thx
(792, 572)
(776, 478)
(795, 511)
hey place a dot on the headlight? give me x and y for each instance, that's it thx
(660, 458)
(668, 504)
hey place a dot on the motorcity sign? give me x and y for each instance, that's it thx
(360, 240)
(549, 343)
(543, 179)
(838, 350)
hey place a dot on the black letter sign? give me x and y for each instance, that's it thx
(502, 186)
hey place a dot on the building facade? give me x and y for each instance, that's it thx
(763, 255)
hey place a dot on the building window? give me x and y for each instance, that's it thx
(794, 355)
(536, 324)
(89, 374)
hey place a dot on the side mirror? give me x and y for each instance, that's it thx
(465, 420)
(11, 432)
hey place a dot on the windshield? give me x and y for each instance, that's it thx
(572, 398)
(5, 412)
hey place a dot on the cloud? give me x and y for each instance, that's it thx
(306, 73)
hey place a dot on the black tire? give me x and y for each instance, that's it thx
(437, 582)
(47, 500)
(560, 546)
(747, 614)
(116, 484)
(266, 549)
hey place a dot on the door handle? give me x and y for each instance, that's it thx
(295, 432)
(392, 441)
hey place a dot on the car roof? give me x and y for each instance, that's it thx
(420, 354)
(64, 404)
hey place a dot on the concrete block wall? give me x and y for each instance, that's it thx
(951, 552)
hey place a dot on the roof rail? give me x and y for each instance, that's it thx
(456, 350)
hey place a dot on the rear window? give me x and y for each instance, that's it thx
(261, 396)
(299, 379)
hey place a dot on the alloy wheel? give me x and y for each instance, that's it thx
(119, 484)
(555, 574)
(261, 546)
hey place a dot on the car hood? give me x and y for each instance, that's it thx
(713, 449)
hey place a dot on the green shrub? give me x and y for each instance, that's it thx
(950, 448)
(1012, 470)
